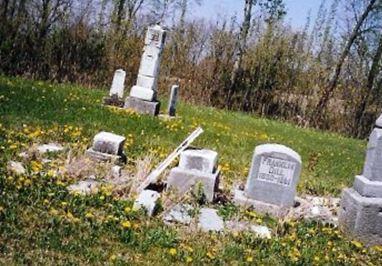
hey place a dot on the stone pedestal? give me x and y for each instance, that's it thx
(360, 213)
(107, 147)
(113, 101)
(142, 107)
(195, 166)
(272, 181)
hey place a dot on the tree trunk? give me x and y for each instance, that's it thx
(322, 104)
(120, 14)
(242, 43)
(373, 73)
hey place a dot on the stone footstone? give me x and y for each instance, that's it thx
(361, 217)
(143, 107)
(210, 221)
(182, 180)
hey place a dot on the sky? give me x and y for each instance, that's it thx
(297, 10)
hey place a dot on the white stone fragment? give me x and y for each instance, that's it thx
(49, 148)
(85, 187)
(179, 214)
(261, 231)
(16, 167)
(116, 171)
(209, 220)
(118, 85)
(109, 143)
(147, 200)
(200, 160)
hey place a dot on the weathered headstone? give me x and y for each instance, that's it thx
(117, 89)
(173, 100)
(196, 166)
(143, 96)
(360, 213)
(107, 147)
(272, 181)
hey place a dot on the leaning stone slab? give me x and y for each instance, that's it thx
(142, 107)
(182, 180)
(209, 220)
(274, 175)
(200, 160)
(147, 200)
(361, 217)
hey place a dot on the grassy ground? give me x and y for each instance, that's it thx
(42, 223)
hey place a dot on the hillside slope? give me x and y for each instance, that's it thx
(41, 222)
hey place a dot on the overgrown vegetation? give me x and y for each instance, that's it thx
(327, 75)
(41, 223)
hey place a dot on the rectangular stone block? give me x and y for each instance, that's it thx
(142, 107)
(143, 93)
(182, 180)
(118, 84)
(368, 188)
(199, 160)
(361, 217)
(147, 82)
(274, 175)
(109, 143)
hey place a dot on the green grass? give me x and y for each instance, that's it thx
(41, 223)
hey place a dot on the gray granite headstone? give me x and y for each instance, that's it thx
(274, 175)
(360, 213)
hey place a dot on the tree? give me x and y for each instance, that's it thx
(328, 91)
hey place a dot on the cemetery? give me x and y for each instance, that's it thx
(138, 175)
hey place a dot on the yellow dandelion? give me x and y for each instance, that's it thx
(172, 251)
(126, 224)
(189, 259)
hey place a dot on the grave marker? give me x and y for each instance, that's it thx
(117, 89)
(107, 147)
(173, 100)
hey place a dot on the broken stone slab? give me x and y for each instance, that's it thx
(237, 226)
(179, 214)
(45, 148)
(361, 217)
(85, 187)
(142, 107)
(210, 221)
(16, 168)
(107, 147)
(182, 180)
(200, 160)
(147, 200)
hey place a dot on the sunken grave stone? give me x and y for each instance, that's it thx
(272, 181)
(173, 100)
(107, 147)
(196, 166)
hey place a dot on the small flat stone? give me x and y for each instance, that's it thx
(49, 148)
(261, 231)
(16, 168)
(179, 214)
(209, 220)
(85, 187)
(147, 200)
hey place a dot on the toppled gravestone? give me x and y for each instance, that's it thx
(272, 181)
(107, 147)
(360, 213)
(195, 167)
